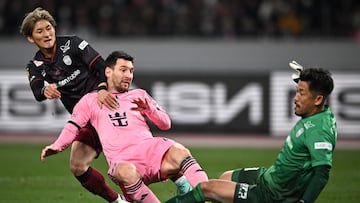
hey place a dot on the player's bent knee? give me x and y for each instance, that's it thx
(126, 173)
(180, 150)
(78, 168)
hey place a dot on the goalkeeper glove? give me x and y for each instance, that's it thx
(298, 68)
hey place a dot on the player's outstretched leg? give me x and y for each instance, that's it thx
(84, 150)
(194, 196)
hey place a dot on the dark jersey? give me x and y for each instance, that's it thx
(70, 68)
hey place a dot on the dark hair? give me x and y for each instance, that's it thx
(319, 80)
(115, 55)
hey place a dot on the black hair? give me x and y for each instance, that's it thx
(319, 80)
(115, 55)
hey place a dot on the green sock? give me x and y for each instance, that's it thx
(198, 193)
(194, 196)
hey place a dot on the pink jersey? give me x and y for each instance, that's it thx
(121, 131)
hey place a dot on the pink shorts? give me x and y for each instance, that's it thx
(89, 136)
(146, 156)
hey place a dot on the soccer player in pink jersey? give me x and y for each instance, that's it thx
(136, 158)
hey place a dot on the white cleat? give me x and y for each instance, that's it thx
(120, 199)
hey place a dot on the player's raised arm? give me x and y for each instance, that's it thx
(149, 108)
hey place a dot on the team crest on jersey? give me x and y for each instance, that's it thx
(67, 60)
(65, 47)
(38, 63)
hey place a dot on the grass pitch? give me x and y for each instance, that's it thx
(23, 178)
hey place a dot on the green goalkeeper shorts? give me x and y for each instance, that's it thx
(247, 190)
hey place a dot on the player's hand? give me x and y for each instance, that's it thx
(142, 105)
(51, 92)
(107, 99)
(48, 151)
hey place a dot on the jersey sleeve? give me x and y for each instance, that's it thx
(79, 118)
(90, 57)
(82, 110)
(156, 114)
(36, 81)
(321, 146)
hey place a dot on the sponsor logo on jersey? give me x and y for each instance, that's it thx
(67, 60)
(69, 78)
(38, 63)
(323, 145)
(83, 44)
(65, 47)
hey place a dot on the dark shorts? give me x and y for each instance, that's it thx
(89, 136)
(247, 188)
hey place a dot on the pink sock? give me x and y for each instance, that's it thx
(141, 193)
(193, 171)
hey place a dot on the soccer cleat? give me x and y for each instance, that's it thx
(183, 185)
(120, 199)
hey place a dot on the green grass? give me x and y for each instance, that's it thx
(23, 178)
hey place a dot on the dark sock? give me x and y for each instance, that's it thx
(177, 176)
(94, 182)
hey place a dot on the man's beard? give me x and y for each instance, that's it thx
(121, 89)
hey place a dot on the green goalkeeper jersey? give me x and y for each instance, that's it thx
(310, 143)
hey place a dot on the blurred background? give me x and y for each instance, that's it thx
(226, 19)
(216, 66)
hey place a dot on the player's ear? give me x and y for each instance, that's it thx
(319, 99)
(30, 39)
(107, 71)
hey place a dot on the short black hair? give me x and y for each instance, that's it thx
(319, 80)
(115, 55)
